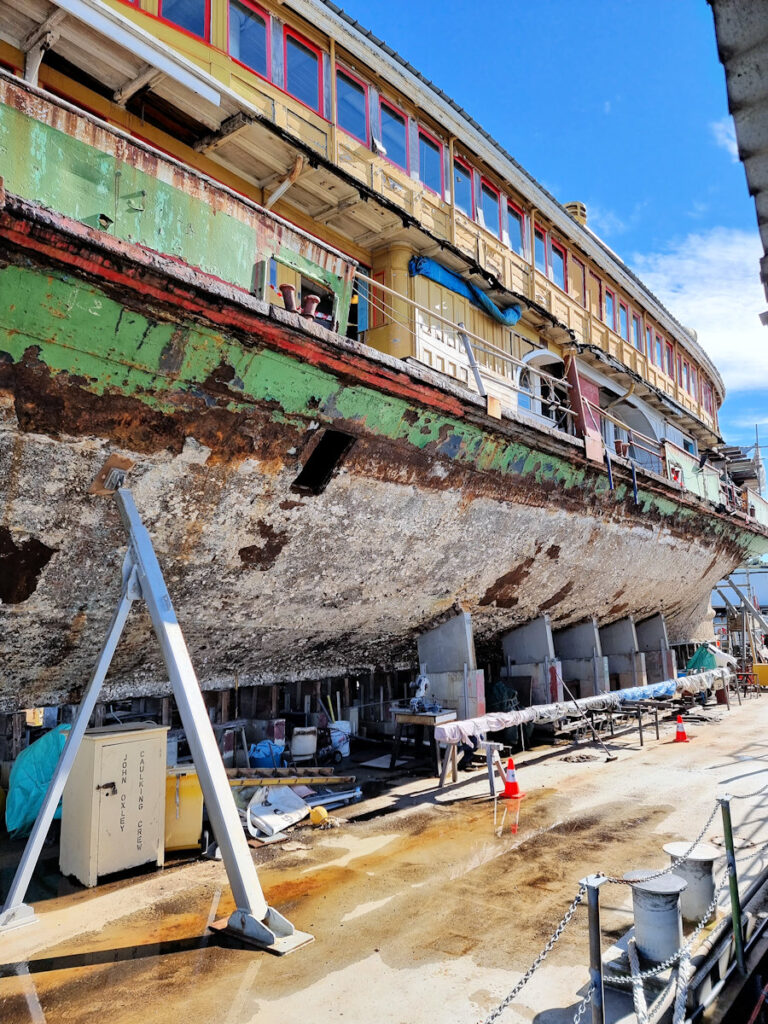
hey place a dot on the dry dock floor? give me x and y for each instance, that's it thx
(420, 914)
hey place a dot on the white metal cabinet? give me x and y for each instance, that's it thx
(113, 809)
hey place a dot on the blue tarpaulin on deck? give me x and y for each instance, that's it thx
(424, 267)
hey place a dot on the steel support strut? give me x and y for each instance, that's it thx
(253, 919)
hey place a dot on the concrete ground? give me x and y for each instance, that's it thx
(420, 913)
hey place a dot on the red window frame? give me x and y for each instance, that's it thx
(708, 398)
(694, 379)
(268, 23)
(557, 247)
(669, 360)
(432, 138)
(679, 370)
(192, 35)
(635, 320)
(649, 343)
(539, 230)
(484, 183)
(467, 167)
(400, 113)
(605, 307)
(574, 262)
(625, 307)
(599, 280)
(289, 33)
(521, 214)
(354, 78)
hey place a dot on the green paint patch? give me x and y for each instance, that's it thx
(76, 329)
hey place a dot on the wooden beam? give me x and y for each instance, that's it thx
(148, 76)
(226, 130)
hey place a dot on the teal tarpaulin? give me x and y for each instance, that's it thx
(32, 771)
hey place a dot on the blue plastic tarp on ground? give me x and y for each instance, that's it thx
(32, 771)
(424, 267)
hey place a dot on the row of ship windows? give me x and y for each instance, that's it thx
(250, 43)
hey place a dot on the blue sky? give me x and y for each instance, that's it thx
(621, 105)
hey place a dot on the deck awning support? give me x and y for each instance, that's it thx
(37, 44)
(253, 920)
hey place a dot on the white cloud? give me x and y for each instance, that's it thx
(724, 134)
(711, 281)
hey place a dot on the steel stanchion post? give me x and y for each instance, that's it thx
(593, 883)
(733, 881)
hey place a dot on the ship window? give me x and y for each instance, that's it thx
(490, 201)
(540, 249)
(249, 37)
(324, 311)
(325, 459)
(623, 321)
(191, 15)
(430, 162)
(394, 134)
(558, 265)
(610, 309)
(637, 332)
(303, 71)
(669, 352)
(515, 221)
(577, 284)
(707, 396)
(352, 105)
(463, 188)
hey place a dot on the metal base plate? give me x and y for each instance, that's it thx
(17, 917)
(279, 945)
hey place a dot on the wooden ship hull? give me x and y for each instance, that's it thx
(315, 502)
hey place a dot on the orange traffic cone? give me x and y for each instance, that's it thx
(680, 736)
(511, 786)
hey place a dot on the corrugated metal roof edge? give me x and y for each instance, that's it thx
(387, 49)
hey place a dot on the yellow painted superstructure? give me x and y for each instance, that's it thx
(553, 316)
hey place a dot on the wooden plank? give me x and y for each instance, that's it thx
(296, 780)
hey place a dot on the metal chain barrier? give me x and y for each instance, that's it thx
(629, 979)
(675, 863)
(581, 1008)
(748, 796)
(540, 959)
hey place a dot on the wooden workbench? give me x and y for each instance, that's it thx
(422, 720)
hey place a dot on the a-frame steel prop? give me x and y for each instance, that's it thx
(253, 919)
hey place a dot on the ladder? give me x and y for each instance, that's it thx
(253, 920)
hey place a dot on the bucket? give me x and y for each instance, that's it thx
(340, 733)
(304, 742)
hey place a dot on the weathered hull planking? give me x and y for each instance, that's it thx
(221, 399)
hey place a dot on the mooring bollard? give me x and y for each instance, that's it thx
(593, 883)
(658, 920)
(698, 871)
(733, 881)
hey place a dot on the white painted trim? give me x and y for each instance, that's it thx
(122, 31)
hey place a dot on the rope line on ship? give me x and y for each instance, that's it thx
(679, 983)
